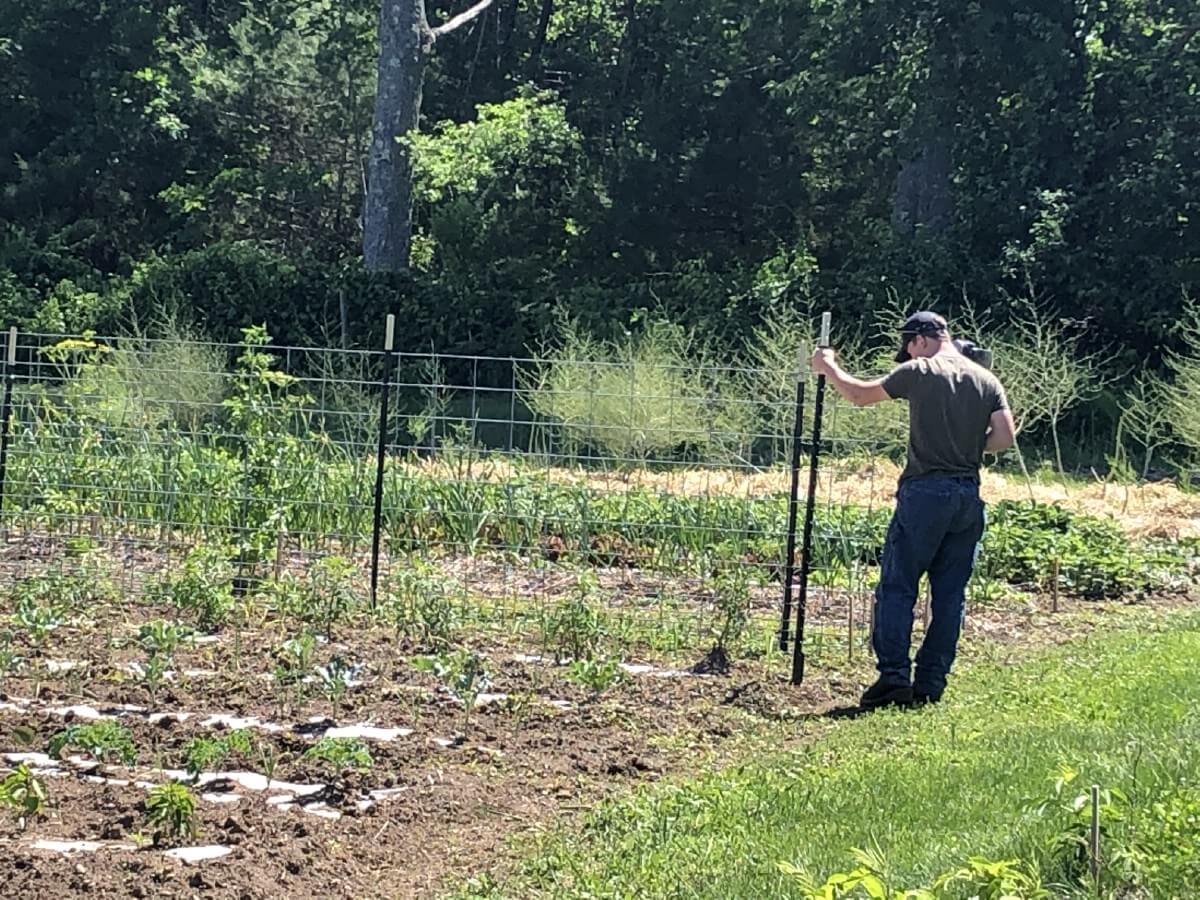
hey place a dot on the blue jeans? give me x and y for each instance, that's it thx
(935, 529)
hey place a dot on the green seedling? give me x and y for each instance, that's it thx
(159, 639)
(520, 705)
(162, 638)
(575, 627)
(201, 754)
(104, 741)
(342, 753)
(422, 603)
(331, 594)
(154, 673)
(597, 675)
(461, 673)
(36, 619)
(294, 658)
(336, 678)
(22, 792)
(207, 754)
(269, 759)
(284, 597)
(293, 662)
(9, 658)
(171, 812)
(732, 599)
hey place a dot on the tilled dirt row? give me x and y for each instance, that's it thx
(445, 790)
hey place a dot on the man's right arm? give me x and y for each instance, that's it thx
(856, 390)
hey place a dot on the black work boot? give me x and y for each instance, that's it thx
(924, 698)
(881, 694)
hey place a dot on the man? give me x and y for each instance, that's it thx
(957, 412)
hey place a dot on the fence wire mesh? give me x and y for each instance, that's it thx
(537, 499)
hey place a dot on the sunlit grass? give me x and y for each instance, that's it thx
(974, 776)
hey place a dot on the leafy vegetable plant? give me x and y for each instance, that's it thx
(104, 740)
(171, 811)
(341, 753)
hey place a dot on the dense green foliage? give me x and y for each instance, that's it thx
(156, 438)
(709, 160)
(1000, 774)
(309, 490)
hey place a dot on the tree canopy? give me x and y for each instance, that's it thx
(712, 161)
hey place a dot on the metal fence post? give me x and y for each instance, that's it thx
(789, 570)
(10, 375)
(809, 510)
(385, 391)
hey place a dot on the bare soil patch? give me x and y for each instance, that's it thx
(446, 791)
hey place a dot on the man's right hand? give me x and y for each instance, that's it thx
(857, 391)
(824, 361)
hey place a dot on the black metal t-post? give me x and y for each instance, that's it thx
(10, 375)
(809, 510)
(789, 565)
(384, 405)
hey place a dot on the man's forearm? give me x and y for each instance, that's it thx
(1002, 433)
(996, 442)
(853, 389)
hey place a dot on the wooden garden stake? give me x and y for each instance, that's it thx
(850, 625)
(1054, 585)
(278, 553)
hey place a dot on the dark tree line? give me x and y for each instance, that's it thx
(710, 160)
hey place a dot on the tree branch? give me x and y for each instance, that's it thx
(1181, 44)
(462, 18)
(543, 29)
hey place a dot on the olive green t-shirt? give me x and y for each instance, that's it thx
(950, 402)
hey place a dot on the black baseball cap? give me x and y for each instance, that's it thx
(926, 323)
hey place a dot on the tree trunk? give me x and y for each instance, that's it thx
(1058, 457)
(539, 39)
(923, 199)
(405, 45)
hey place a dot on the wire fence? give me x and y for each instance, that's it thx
(429, 489)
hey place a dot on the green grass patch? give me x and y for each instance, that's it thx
(994, 773)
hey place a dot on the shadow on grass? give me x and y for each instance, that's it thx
(842, 712)
(853, 712)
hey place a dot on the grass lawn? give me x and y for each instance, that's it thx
(995, 772)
